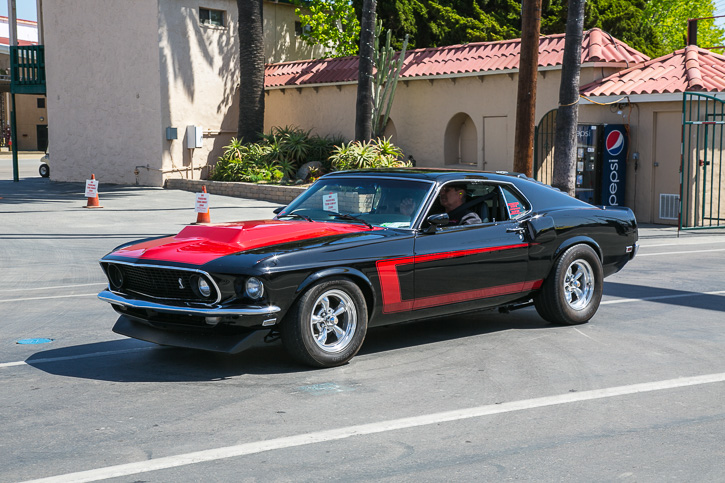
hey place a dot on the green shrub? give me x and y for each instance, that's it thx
(281, 153)
(378, 153)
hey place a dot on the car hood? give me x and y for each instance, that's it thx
(199, 244)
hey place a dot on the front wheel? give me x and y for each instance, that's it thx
(327, 325)
(44, 170)
(573, 290)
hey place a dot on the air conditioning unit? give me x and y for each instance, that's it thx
(669, 207)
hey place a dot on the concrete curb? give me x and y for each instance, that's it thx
(266, 192)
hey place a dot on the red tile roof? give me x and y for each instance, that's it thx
(688, 69)
(597, 46)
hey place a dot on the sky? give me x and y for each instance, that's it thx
(25, 9)
(720, 10)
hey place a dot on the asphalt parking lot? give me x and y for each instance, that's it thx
(636, 394)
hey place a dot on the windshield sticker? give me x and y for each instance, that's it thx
(396, 224)
(329, 202)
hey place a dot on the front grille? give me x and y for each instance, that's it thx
(162, 283)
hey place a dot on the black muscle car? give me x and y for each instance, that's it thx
(365, 248)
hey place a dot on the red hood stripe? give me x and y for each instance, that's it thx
(199, 244)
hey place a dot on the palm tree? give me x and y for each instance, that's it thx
(567, 115)
(364, 105)
(251, 70)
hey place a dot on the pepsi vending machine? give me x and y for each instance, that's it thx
(601, 163)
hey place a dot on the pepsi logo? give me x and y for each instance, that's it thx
(615, 142)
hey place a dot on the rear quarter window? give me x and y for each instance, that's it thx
(516, 205)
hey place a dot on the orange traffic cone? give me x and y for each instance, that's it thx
(202, 207)
(93, 201)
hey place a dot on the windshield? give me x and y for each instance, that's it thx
(391, 203)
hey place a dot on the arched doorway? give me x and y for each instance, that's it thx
(461, 140)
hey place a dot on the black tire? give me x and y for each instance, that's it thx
(327, 325)
(572, 292)
(44, 170)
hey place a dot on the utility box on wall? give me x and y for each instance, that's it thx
(194, 137)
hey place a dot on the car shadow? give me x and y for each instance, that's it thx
(682, 298)
(442, 329)
(130, 360)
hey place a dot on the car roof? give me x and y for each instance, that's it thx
(428, 174)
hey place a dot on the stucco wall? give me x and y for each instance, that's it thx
(102, 68)
(281, 44)
(199, 79)
(137, 67)
(422, 111)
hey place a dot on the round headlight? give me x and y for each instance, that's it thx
(254, 288)
(203, 286)
(115, 276)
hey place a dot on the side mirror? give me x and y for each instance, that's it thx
(436, 221)
(279, 210)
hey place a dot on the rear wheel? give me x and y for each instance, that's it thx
(327, 325)
(573, 290)
(44, 170)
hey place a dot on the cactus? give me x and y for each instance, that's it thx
(385, 79)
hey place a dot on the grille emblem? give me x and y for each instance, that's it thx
(181, 283)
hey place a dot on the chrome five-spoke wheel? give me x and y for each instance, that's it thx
(333, 320)
(579, 284)
(572, 291)
(326, 326)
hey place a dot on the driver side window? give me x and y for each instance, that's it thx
(468, 202)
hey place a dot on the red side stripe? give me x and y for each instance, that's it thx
(390, 281)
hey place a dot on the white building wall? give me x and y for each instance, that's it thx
(26, 29)
(120, 73)
(103, 89)
(199, 82)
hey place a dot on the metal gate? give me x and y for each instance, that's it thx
(544, 148)
(701, 177)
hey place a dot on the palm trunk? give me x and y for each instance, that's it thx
(364, 105)
(526, 94)
(567, 116)
(251, 70)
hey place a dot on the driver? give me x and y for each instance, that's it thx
(452, 197)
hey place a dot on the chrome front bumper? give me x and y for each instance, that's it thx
(249, 311)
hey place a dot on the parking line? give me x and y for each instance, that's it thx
(70, 358)
(679, 253)
(50, 288)
(50, 297)
(678, 244)
(374, 428)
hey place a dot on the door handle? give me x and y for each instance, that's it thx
(519, 229)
